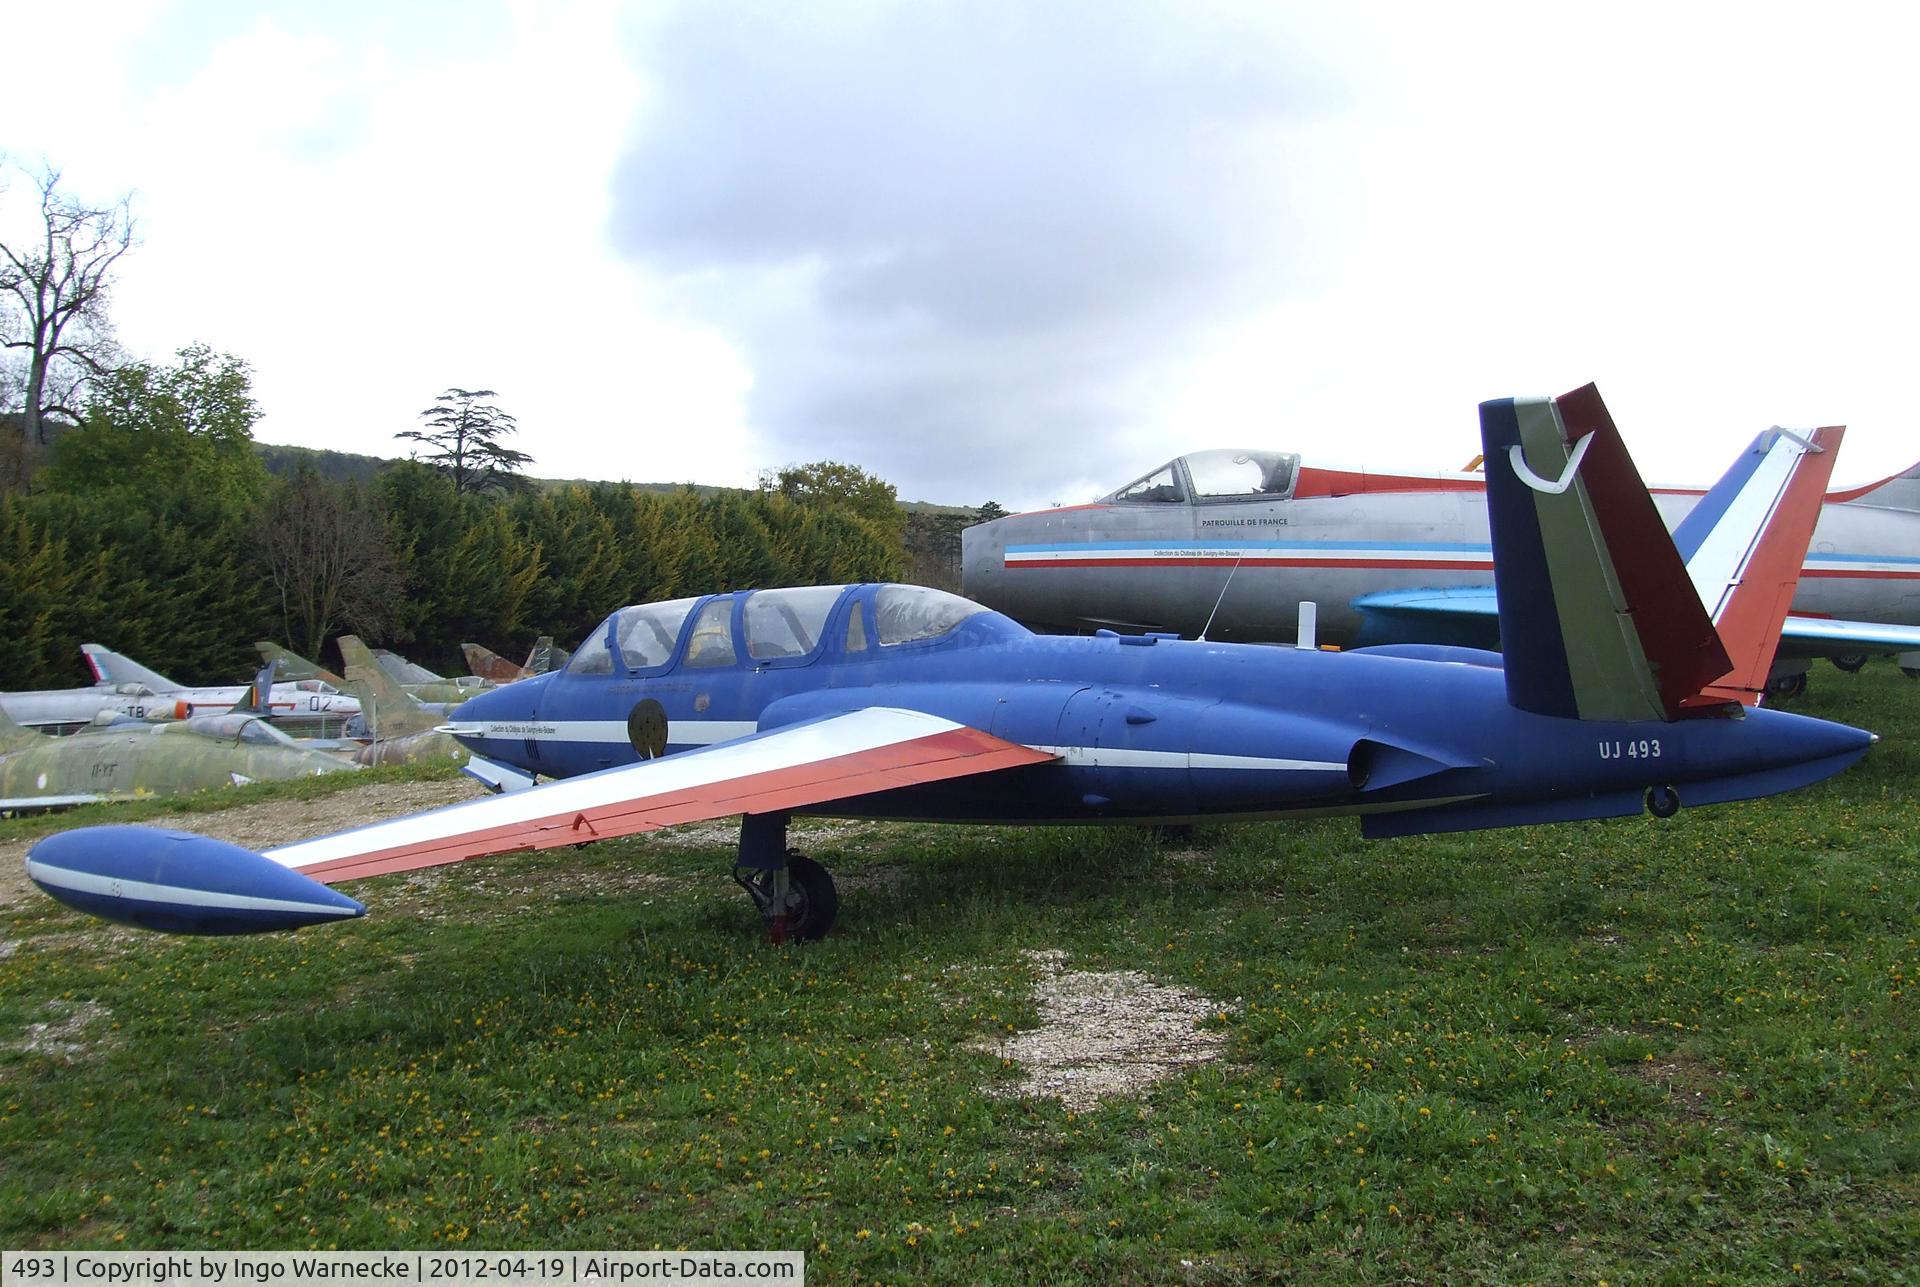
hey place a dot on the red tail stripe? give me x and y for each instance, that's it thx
(1750, 625)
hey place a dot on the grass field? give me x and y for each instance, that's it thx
(1628, 1051)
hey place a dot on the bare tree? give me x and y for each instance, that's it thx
(57, 278)
(328, 553)
(464, 434)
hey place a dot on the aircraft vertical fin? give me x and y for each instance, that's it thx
(391, 711)
(257, 697)
(490, 665)
(294, 666)
(15, 737)
(1598, 619)
(109, 667)
(1747, 547)
(547, 657)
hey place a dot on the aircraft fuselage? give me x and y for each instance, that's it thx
(1162, 730)
(1147, 566)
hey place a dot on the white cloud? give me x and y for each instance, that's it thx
(994, 250)
(367, 229)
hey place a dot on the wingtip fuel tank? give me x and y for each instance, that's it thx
(179, 882)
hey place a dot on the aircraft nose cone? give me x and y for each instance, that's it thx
(510, 703)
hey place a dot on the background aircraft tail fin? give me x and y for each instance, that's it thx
(14, 737)
(1902, 491)
(1744, 544)
(257, 697)
(488, 664)
(402, 670)
(294, 666)
(110, 667)
(1598, 618)
(390, 709)
(546, 657)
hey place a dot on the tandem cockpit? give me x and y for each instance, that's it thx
(691, 672)
(1224, 474)
(767, 628)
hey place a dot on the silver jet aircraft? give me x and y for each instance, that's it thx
(302, 702)
(63, 710)
(1231, 542)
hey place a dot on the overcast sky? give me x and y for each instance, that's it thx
(1007, 251)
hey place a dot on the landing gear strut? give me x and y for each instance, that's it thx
(795, 894)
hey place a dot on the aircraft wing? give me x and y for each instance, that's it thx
(1833, 637)
(1471, 614)
(1468, 615)
(195, 884)
(830, 759)
(35, 803)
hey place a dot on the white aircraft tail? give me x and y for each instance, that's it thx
(1744, 544)
(109, 667)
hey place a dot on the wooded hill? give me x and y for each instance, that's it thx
(158, 529)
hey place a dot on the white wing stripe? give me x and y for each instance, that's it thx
(1114, 757)
(84, 882)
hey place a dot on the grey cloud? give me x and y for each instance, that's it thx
(949, 235)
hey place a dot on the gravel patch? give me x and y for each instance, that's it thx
(64, 1035)
(1105, 1034)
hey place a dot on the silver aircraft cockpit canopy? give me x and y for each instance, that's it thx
(1224, 474)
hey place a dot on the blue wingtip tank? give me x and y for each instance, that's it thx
(179, 882)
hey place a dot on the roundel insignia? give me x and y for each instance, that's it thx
(647, 728)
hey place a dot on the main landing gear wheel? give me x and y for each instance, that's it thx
(1851, 663)
(1663, 801)
(798, 902)
(1787, 687)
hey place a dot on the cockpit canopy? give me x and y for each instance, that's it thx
(775, 625)
(1224, 474)
(235, 726)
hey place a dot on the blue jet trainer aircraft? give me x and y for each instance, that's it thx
(890, 701)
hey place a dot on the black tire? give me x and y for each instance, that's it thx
(1787, 687)
(819, 902)
(1663, 801)
(1852, 663)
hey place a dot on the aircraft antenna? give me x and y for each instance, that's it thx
(1222, 599)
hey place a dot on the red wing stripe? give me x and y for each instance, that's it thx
(931, 758)
(1848, 574)
(1261, 561)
